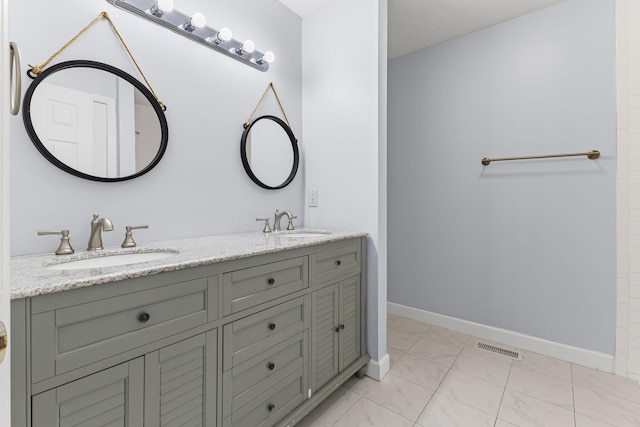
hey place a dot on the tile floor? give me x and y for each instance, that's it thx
(439, 379)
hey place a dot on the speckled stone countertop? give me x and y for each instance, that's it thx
(30, 276)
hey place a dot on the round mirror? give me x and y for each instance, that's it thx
(269, 157)
(95, 121)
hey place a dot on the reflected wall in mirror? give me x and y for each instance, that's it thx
(269, 152)
(95, 121)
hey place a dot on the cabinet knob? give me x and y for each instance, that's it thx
(338, 262)
(271, 407)
(144, 317)
(271, 280)
(271, 366)
(337, 329)
(342, 327)
(272, 326)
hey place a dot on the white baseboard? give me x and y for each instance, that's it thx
(377, 369)
(580, 356)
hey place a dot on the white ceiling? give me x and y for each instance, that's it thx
(416, 24)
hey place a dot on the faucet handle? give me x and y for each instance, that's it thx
(128, 236)
(65, 244)
(290, 226)
(267, 227)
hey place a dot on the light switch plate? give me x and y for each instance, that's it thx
(313, 198)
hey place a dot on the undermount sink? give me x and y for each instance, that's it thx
(111, 260)
(305, 234)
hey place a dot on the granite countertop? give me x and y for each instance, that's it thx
(29, 276)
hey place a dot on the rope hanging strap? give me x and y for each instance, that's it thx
(37, 69)
(269, 86)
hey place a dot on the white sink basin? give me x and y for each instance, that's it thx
(111, 260)
(305, 234)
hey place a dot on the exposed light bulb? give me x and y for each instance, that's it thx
(267, 57)
(196, 21)
(224, 35)
(161, 7)
(247, 47)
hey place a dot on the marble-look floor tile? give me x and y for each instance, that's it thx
(548, 389)
(435, 352)
(409, 326)
(610, 384)
(545, 365)
(419, 371)
(400, 396)
(334, 406)
(446, 336)
(366, 413)
(309, 421)
(394, 356)
(606, 408)
(526, 411)
(503, 423)
(472, 391)
(400, 340)
(359, 385)
(444, 411)
(493, 369)
(584, 421)
(392, 317)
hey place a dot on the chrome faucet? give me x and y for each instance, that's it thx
(97, 225)
(278, 216)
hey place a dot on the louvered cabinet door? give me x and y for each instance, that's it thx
(113, 397)
(349, 322)
(324, 337)
(180, 383)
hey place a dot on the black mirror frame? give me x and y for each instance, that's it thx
(26, 115)
(294, 146)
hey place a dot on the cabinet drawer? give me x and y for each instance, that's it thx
(273, 406)
(253, 335)
(70, 337)
(335, 263)
(250, 380)
(252, 286)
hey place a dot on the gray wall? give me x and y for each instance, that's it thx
(199, 188)
(527, 246)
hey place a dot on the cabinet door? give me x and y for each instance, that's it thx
(180, 383)
(324, 336)
(349, 315)
(113, 397)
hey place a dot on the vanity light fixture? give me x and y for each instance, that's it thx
(224, 35)
(268, 58)
(193, 23)
(161, 7)
(194, 28)
(247, 47)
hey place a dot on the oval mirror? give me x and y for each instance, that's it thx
(95, 121)
(269, 157)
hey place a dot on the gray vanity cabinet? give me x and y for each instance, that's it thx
(251, 342)
(110, 397)
(336, 332)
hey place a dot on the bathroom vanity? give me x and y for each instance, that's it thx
(240, 330)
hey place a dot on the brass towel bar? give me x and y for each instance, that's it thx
(593, 154)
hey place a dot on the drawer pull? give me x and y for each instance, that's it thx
(271, 366)
(272, 326)
(271, 280)
(271, 407)
(144, 317)
(338, 262)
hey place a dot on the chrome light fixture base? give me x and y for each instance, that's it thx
(174, 20)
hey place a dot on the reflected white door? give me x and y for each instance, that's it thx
(5, 389)
(77, 127)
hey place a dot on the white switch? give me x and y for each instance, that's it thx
(313, 198)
